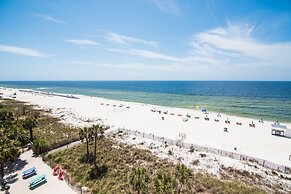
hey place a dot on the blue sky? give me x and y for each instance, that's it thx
(145, 40)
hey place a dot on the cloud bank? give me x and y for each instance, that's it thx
(236, 45)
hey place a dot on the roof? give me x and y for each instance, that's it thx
(279, 126)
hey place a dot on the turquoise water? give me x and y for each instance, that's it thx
(267, 100)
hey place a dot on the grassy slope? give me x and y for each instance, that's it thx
(48, 128)
(120, 158)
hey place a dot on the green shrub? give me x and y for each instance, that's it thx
(39, 146)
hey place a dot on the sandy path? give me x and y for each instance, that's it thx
(20, 186)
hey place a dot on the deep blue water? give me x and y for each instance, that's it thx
(268, 100)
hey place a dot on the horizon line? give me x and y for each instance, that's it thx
(143, 80)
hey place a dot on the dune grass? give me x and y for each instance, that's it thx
(48, 129)
(119, 159)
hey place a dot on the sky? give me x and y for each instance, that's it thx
(145, 40)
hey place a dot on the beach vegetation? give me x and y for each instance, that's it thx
(12, 137)
(39, 146)
(195, 162)
(192, 149)
(28, 123)
(139, 179)
(9, 151)
(85, 133)
(183, 176)
(164, 183)
(96, 131)
(121, 160)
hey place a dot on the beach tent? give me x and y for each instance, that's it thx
(203, 110)
(280, 130)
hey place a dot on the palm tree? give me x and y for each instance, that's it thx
(96, 130)
(21, 136)
(163, 183)
(29, 124)
(8, 152)
(5, 117)
(139, 179)
(183, 175)
(17, 133)
(85, 133)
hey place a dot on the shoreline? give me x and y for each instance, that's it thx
(143, 98)
(256, 142)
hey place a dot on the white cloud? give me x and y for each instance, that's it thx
(22, 51)
(235, 45)
(49, 18)
(222, 53)
(122, 39)
(83, 42)
(168, 6)
(145, 54)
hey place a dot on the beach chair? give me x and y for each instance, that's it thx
(29, 172)
(37, 181)
(252, 125)
(55, 170)
(61, 174)
(216, 120)
(238, 123)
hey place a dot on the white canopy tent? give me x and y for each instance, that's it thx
(280, 130)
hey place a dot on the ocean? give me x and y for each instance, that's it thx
(269, 100)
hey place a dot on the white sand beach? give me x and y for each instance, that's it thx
(256, 142)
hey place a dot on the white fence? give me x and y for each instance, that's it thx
(200, 148)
